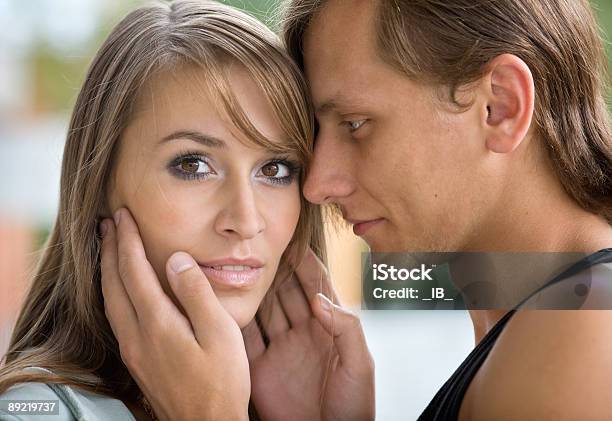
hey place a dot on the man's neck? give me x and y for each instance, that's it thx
(584, 237)
(538, 217)
(483, 321)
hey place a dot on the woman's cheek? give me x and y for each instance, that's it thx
(160, 231)
(291, 214)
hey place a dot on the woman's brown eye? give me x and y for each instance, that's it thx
(270, 170)
(190, 165)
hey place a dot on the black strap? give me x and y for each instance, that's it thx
(446, 403)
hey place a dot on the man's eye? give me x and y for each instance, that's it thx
(355, 124)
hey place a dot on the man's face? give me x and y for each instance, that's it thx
(390, 151)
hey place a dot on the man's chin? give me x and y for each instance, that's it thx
(386, 245)
(389, 245)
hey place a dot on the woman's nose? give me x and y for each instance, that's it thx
(240, 216)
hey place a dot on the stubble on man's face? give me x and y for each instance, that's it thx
(388, 149)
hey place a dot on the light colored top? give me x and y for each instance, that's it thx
(75, 404)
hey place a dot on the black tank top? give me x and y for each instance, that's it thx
(446, 403)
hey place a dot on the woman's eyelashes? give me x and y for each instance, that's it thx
(191, 166)
(279, 171)
(196, 166)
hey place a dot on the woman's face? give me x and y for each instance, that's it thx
(192, 185)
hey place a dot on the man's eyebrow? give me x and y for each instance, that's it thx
(196, 136)
(326, 107)
(336, 103)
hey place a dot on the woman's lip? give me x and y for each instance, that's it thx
(232, 278)
(360, 228)
(251, 261)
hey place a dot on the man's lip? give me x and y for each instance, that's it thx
(360, 227)
(250, 261)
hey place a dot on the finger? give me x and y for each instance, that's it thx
(192, 289)
(139, 278)
(348, 334)
(117, 305)
(274, 322)
(314, 277)
(293, 301)
(253, 340)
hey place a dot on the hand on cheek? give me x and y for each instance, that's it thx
(162, 348)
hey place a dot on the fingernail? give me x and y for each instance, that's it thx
(325, 303)
(180, 262)
(117, 216)
(103, 228)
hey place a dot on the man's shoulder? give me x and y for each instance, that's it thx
(590, 289)
(546, 364)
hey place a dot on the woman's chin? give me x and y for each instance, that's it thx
(242, 314)
(243, 320)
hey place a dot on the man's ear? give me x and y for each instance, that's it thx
(509, 100)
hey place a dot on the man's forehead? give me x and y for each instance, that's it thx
(338, 46)
(340, 26)
(349, 9)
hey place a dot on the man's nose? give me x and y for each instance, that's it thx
(240, 216)
(330, 174)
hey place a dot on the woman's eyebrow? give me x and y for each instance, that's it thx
(196, 136)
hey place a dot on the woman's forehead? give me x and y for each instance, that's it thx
(187, 100)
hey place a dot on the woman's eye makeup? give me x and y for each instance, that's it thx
(196, 166)
(191, 166)
(279, 171)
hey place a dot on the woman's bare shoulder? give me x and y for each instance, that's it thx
(547, 364)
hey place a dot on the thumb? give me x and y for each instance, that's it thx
(194, 293)
(348, 334)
